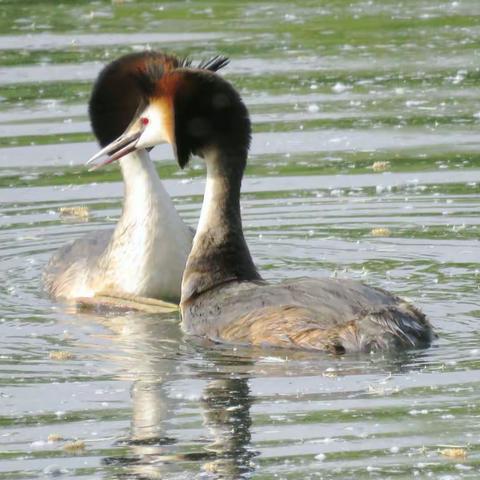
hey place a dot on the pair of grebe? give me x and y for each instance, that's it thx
(144, 99)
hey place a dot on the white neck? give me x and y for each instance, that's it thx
(150, 244)
(143, 189)
(213, 188)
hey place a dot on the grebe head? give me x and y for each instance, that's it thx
(117, 95)
(165, 99)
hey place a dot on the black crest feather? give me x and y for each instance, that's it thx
(214, 64)
(148, 75)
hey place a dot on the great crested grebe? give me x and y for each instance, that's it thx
(145, 254)
(224, 298)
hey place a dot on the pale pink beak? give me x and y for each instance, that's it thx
(120, 147)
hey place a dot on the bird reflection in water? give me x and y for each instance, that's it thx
(152, 354)
(226, 406)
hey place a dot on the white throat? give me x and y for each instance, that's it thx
(143, 189)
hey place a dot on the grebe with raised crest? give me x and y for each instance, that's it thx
(145, 254)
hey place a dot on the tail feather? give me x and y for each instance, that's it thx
(391, 327)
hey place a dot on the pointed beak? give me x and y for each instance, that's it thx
(120, 147)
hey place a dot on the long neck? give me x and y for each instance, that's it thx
(145, 197)
(143, 187)
(219, 253)
(150, 244)
(149, 218)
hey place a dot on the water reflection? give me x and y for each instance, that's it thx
(226, 404)
(150, 351)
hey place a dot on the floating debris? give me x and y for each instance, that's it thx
(55, 437)
(454, 452)
(61, 355)
(77, 446)
(380, 232)
(380, 166)
(81, 212)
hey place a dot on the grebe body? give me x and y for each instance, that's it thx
(145, 254)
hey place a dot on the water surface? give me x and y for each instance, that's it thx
(365, 164)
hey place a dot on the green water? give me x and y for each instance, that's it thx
(333, 88)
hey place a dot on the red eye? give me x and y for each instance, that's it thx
(144, 120)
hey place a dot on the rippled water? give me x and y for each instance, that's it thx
(334, 91)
